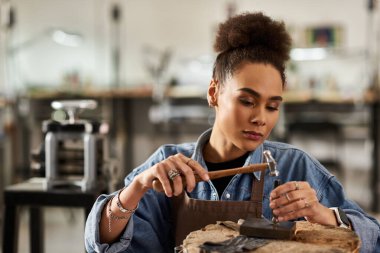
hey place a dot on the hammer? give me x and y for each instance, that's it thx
(270, 163)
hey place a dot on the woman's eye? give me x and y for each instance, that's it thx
(247, 102)
(272, 108)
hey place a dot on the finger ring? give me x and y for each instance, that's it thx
(306, 204)
(297, 185)
(287, 197)
(173, 173)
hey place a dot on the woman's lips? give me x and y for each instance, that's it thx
(252, 135)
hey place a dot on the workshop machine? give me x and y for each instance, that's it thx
(74, 150)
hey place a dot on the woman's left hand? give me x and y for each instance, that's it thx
(293, 200)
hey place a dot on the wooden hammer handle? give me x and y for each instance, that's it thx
(231, 172)
(218, 174)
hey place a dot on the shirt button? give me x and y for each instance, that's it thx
(228, 195)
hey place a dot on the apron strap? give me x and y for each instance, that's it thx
(257, 195)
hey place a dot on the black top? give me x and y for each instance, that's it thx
(221, 183)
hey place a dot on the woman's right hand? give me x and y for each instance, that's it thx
(186, 167)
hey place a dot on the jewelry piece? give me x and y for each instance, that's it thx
(274, 220)
(297, 185)
(173, 173)
(307, 205)
(120, 206)
(287, 197)
(111, 216)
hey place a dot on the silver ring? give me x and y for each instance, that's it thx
(297, 185)
(173, 173)
(287, 197)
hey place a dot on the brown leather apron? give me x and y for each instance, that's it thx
(193, 214)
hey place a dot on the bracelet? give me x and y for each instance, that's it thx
(111, 216)
(121, 208)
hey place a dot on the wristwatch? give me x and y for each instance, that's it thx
(341, 217)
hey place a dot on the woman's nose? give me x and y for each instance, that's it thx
(258, 116)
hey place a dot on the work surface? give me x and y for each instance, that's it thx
(32, 194)
(308, 238)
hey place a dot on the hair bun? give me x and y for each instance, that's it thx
(252, 30)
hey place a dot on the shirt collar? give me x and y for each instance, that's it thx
(198, 154)
(254, 157)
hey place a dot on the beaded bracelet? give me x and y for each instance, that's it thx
(121, 208)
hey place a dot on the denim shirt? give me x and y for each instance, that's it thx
(150, 228)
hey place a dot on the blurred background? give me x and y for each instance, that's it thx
(147, 64)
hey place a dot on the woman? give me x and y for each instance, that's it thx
(246, 92)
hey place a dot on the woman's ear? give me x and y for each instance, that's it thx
(212, 93)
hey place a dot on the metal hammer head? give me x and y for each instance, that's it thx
(272, 165)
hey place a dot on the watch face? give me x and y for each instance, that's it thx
(343, 217)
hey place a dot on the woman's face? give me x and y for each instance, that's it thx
(247, 106)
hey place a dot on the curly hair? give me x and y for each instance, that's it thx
(250, 37)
